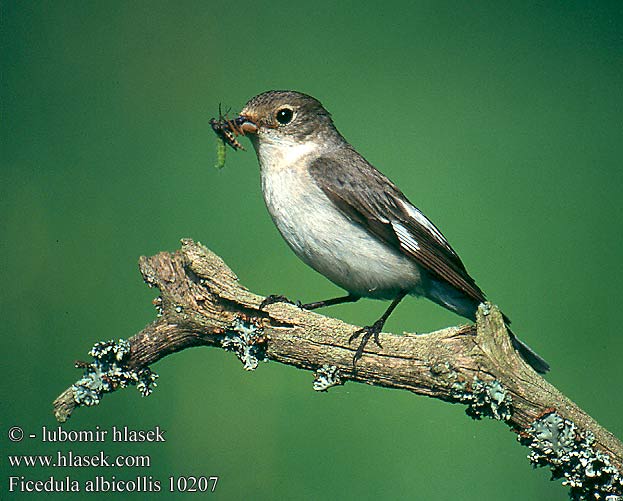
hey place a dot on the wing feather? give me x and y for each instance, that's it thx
(369, 198)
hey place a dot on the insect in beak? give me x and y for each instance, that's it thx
(227, 130)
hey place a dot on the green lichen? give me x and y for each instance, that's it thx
(569, 453)
(327, 376)
(108, 372)
(485, 399)
(246, 340)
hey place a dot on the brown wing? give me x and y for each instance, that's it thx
(369, 198)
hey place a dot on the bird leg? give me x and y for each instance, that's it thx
(374, 329)
(330, 302)
(276, 298)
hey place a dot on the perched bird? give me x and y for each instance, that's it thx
(346, 219)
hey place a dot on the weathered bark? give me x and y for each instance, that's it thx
(202, 303)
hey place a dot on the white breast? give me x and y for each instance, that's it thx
(321, 235)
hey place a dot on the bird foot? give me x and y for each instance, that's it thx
(366, 333)
(277, 298)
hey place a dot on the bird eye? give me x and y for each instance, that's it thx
(284, 116)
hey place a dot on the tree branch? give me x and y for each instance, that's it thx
(202, 303)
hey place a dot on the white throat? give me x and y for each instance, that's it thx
(276, 153)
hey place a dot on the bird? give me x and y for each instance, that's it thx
(347, 220)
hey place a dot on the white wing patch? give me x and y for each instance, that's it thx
(407, 241)
(416, 214)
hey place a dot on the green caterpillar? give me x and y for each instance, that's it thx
(221, 151)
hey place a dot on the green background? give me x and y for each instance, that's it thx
(502, 122)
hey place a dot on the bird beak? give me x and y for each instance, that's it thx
(246, 125)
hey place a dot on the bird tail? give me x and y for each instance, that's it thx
(528, 354)
(449, 297)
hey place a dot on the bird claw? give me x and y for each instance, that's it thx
(277, 298)
(366, 333)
